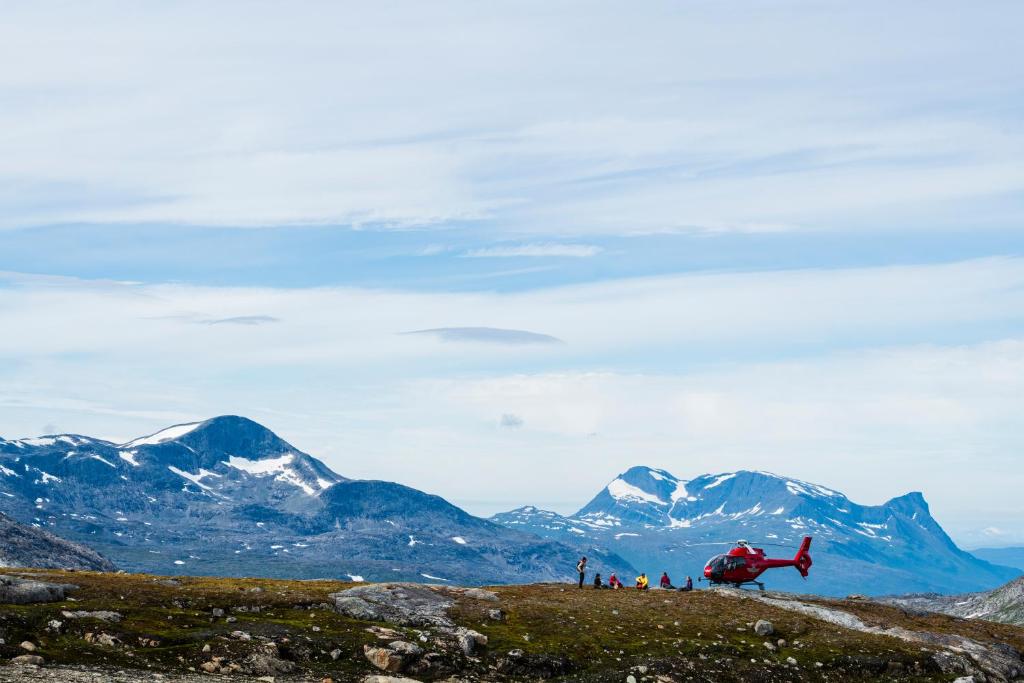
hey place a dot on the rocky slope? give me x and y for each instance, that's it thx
(659, 522)
(135, 627)
(1004, 604)
(229, 497)
(26, 546)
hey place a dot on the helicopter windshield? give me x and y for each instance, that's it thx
(717, 565)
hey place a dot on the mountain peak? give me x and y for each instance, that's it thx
(912, 502)
(224, 432)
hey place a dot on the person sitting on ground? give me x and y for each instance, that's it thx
(613, 582)
(688, 586)
(666, 582)
(641, 582)
(597, 582)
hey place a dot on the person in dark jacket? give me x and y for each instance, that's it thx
(688, 586)
(666, 582)
(581, 567)
(597, 582)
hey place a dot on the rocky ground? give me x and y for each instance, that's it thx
(85, 626)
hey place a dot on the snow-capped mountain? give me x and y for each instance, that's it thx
(228, 496)
(660, 522)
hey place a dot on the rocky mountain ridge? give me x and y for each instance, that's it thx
(1004, 604)
(27, 546)
(227, 496)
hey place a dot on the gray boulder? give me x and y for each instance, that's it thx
(15, 591)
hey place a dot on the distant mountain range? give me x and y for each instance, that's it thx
(659, 522)
(1011, 557)
(229, 497)
(27, 546)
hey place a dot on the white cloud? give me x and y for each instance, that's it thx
(535, 250)
(521, 118)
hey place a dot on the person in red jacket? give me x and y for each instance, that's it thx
(666, 582)
(613, 582)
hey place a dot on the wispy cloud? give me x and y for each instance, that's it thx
(809, 135)
(536, 250)
(488, 335)
(242, 320)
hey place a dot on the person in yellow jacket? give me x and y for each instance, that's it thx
(641, 582)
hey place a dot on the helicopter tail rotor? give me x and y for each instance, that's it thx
(803, 561)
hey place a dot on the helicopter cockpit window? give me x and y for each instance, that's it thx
(717, 562)
(735, 563)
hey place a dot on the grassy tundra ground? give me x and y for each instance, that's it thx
(177, 626)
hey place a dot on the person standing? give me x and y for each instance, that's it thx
(581, 567)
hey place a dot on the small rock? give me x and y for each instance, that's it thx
(781, 643)
(791, 661)
(335, 654)
(210, 667)
(641, 670)
(28, 646)
(206, 648)
(217, 612)
(316, 629)
(631, 679)
(54, 625)
(384, 658)
(496, 614)
(470, 640)
(771, 646)
(481, 594)
(32, 660)
(231, 620)
(764, 628)
(402, 647)
(241, 635)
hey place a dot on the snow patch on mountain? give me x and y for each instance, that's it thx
(261, 467)
(169, 434)
(196, 479)
(129, 457)
(620, 490)
(720, 480)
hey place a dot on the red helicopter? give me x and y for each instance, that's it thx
(743, 564)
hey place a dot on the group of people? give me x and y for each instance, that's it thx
(642, 582)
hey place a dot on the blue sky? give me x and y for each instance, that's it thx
(780, 236)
